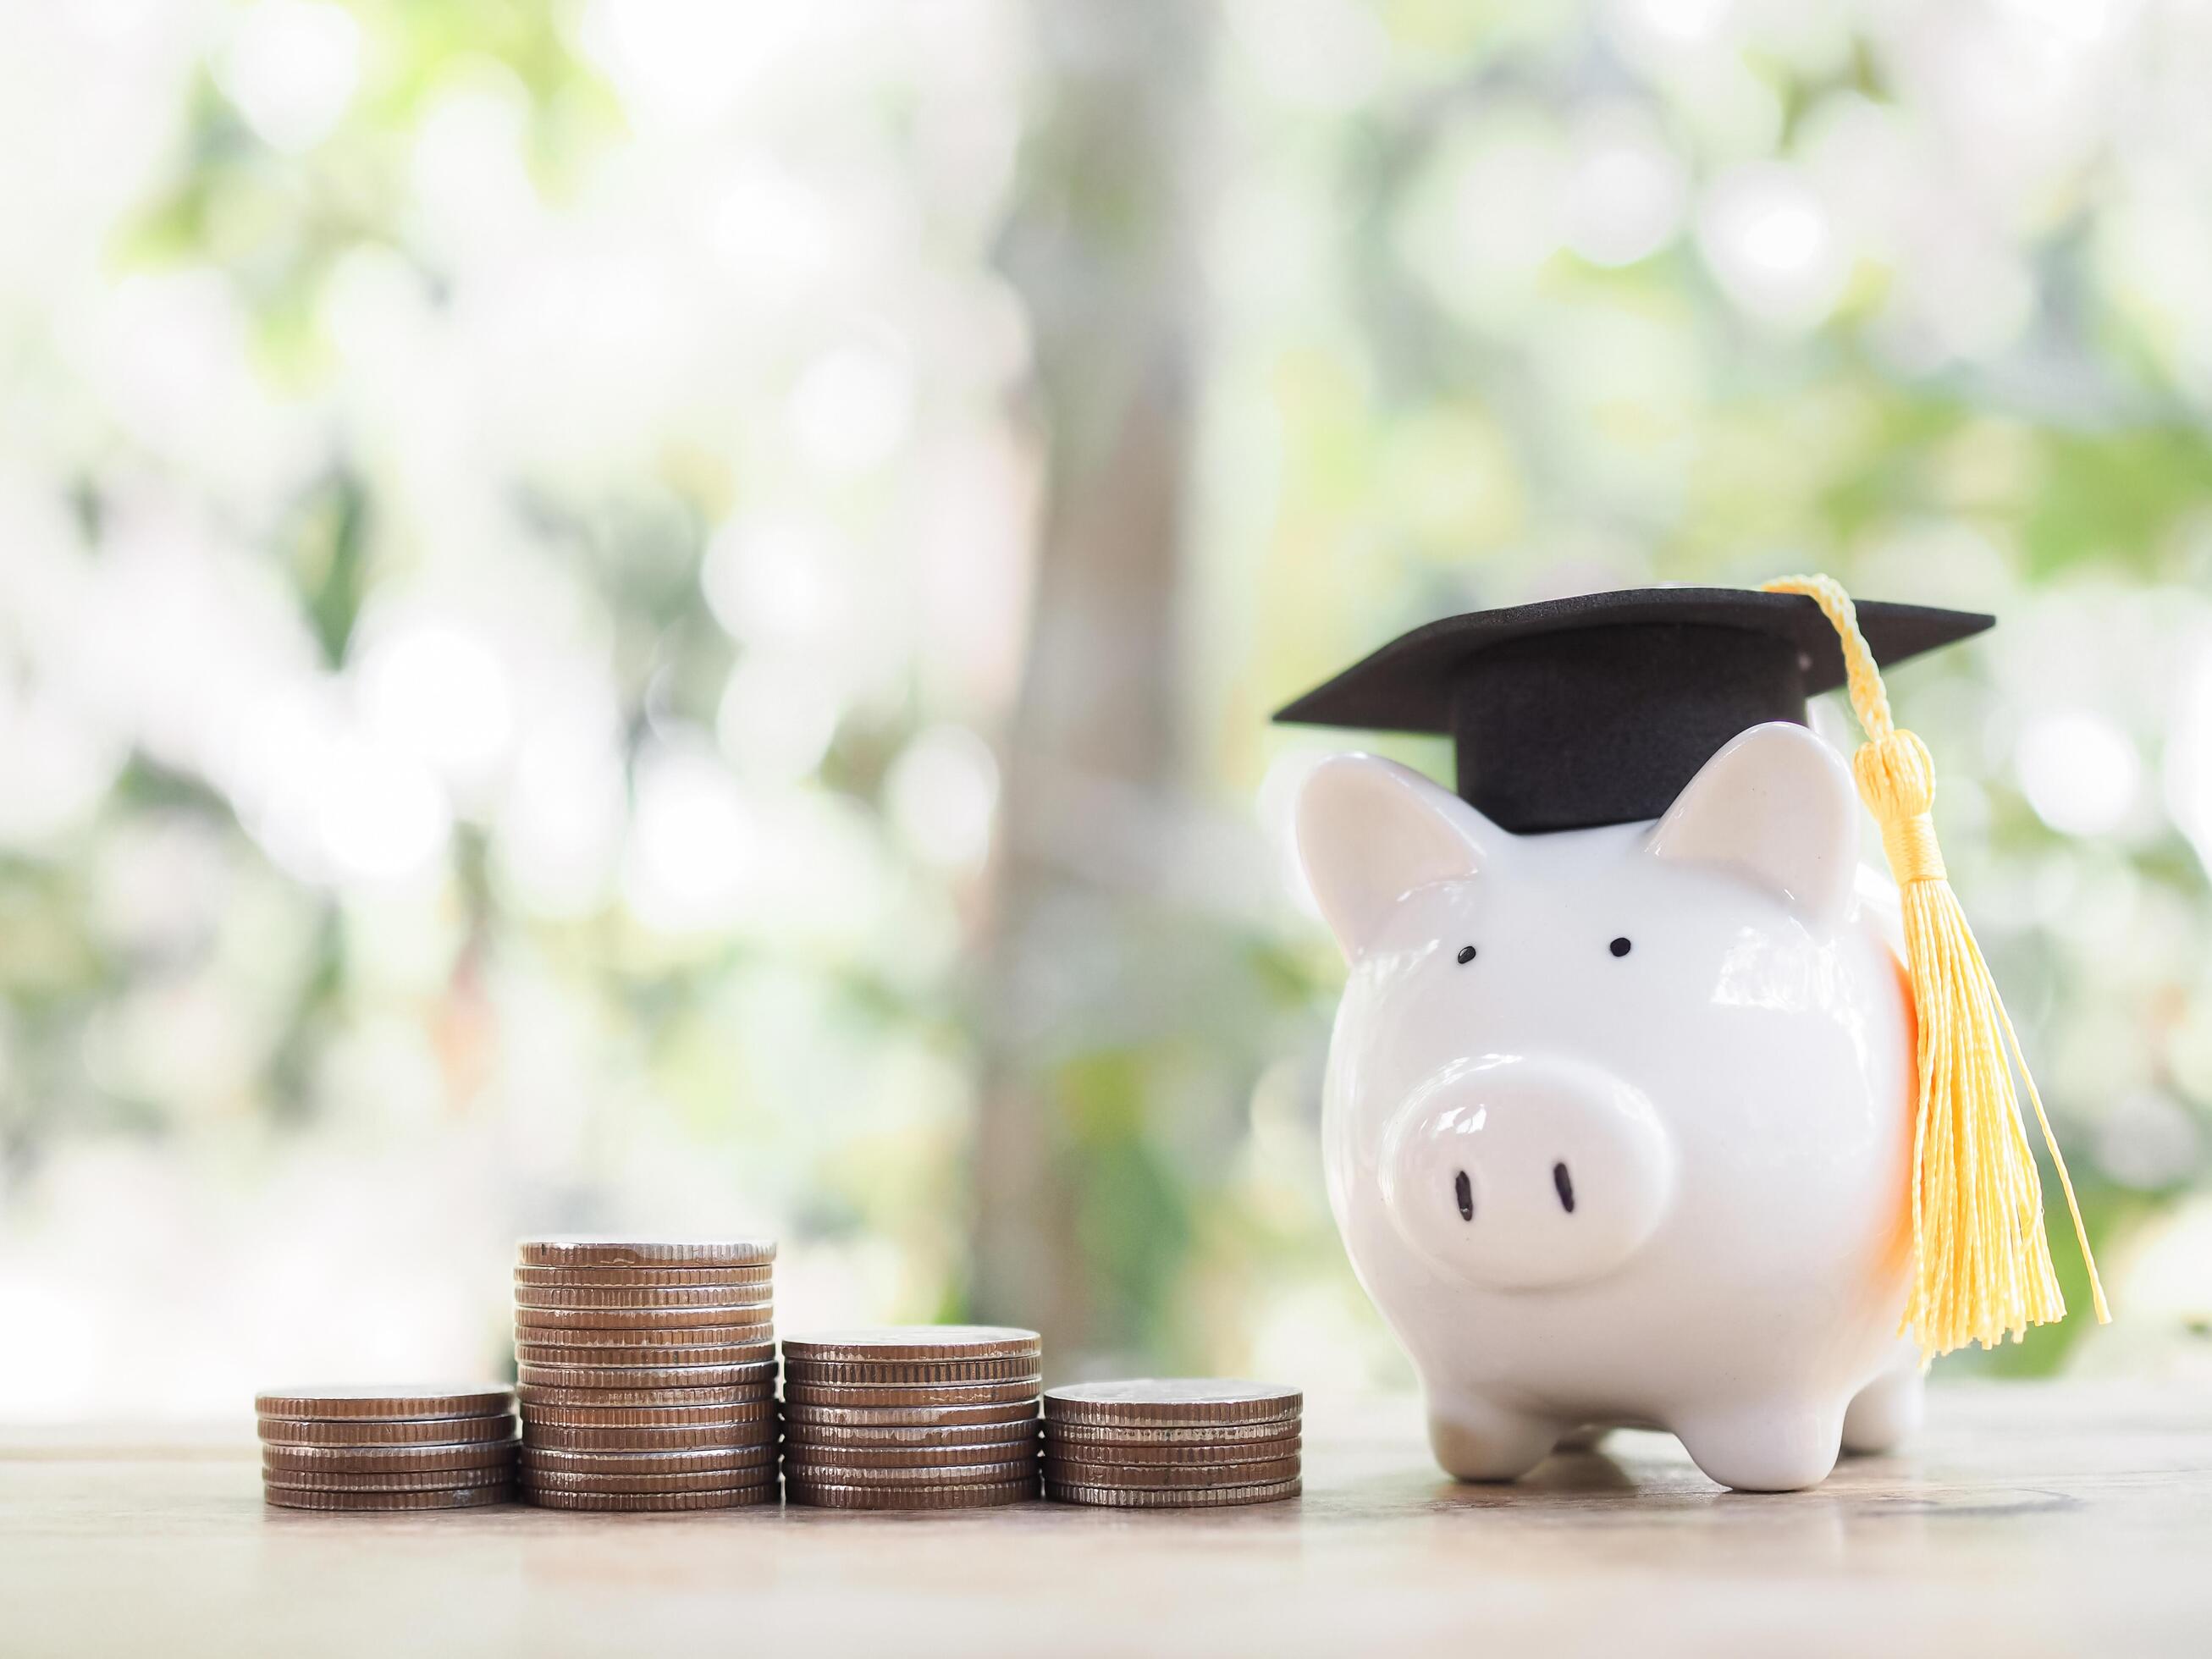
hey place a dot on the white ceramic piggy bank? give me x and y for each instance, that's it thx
(1618, 1120)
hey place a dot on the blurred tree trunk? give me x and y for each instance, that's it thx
(1101, 245)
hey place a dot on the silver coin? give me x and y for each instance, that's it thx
(499, 1474)
(647, 1379)
(459, 1498)
(932, 1394)
(1121, 1497)
(926, 1416)
(913, 1342)
(596, 1250)
(370, 1433)
(801, 1454)
(390, 1460)
(546, 1497)
(1169, 1477)
(1187, 1453)
(831, 1495)
(742, 1284)
(551, 1461)
(910, 1373)
(405, 1401)
(1061, 1431)
(909, 1437)
(1172, 1401)
(943, 1474)
(544, 1436)
(743, 1394)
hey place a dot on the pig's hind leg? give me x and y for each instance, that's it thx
(1785, 1446)
(1477, 1439)
(1888, 1410)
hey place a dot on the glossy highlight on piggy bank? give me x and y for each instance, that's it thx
(1618, 1121)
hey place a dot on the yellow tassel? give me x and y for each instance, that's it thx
(1981, 1265)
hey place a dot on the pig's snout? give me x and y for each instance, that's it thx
(1520, 1174)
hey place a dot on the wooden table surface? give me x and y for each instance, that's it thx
(2027, 1521)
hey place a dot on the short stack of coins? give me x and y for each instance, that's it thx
(351, 1449)
(647, 1373)
(1172, 1443)
(911, 1417)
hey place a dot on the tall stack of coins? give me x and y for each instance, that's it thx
(648, 1372)
(1172, 1443)
(911, 1417)
(441, 1447)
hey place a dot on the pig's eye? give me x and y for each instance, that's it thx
(1467, 954)
(1620, 946)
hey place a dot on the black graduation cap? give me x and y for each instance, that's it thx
(1597, 709)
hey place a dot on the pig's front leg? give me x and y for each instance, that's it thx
(1785, 1446)
(1477, 1439)
(1888, 1409)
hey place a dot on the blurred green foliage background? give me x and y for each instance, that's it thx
(660, 613)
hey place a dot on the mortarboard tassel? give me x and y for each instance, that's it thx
(1981, 1263)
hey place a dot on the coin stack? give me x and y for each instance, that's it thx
(911, 1417)
(648, 1372)
(1172, 1442)
(355, 1448)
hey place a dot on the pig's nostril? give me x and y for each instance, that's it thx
(1464, 1189)
(1564, 1185)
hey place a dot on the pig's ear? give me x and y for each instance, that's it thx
(1777, 806)
(1370, 831)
